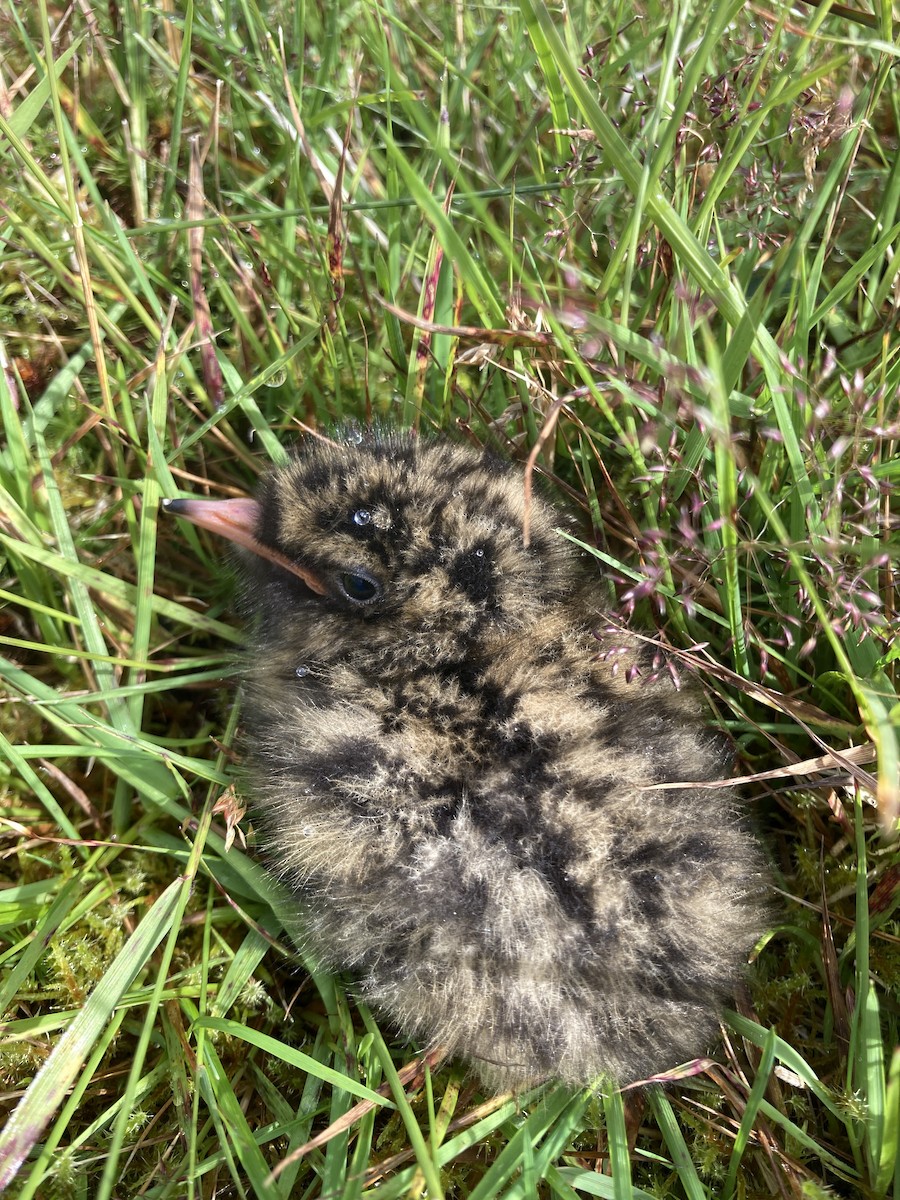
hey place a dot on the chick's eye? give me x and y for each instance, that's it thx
(360, 588)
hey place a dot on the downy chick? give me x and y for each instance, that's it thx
(453, 764)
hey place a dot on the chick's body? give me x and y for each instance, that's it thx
(452, 770)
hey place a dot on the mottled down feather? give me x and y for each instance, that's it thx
(454, 767)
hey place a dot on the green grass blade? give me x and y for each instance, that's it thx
(46, 1092)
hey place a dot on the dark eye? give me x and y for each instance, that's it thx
(358, 587)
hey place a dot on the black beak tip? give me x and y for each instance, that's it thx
(175, 507)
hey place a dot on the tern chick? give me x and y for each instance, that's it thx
(454, 765)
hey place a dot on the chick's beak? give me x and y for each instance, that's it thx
(237, 520)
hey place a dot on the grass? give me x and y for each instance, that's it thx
(655, 246)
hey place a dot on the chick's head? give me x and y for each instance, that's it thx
(403, 544)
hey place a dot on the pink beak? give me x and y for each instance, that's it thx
(237, 521)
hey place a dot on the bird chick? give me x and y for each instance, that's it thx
(454, 774)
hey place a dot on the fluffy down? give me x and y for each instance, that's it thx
(453, 773)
